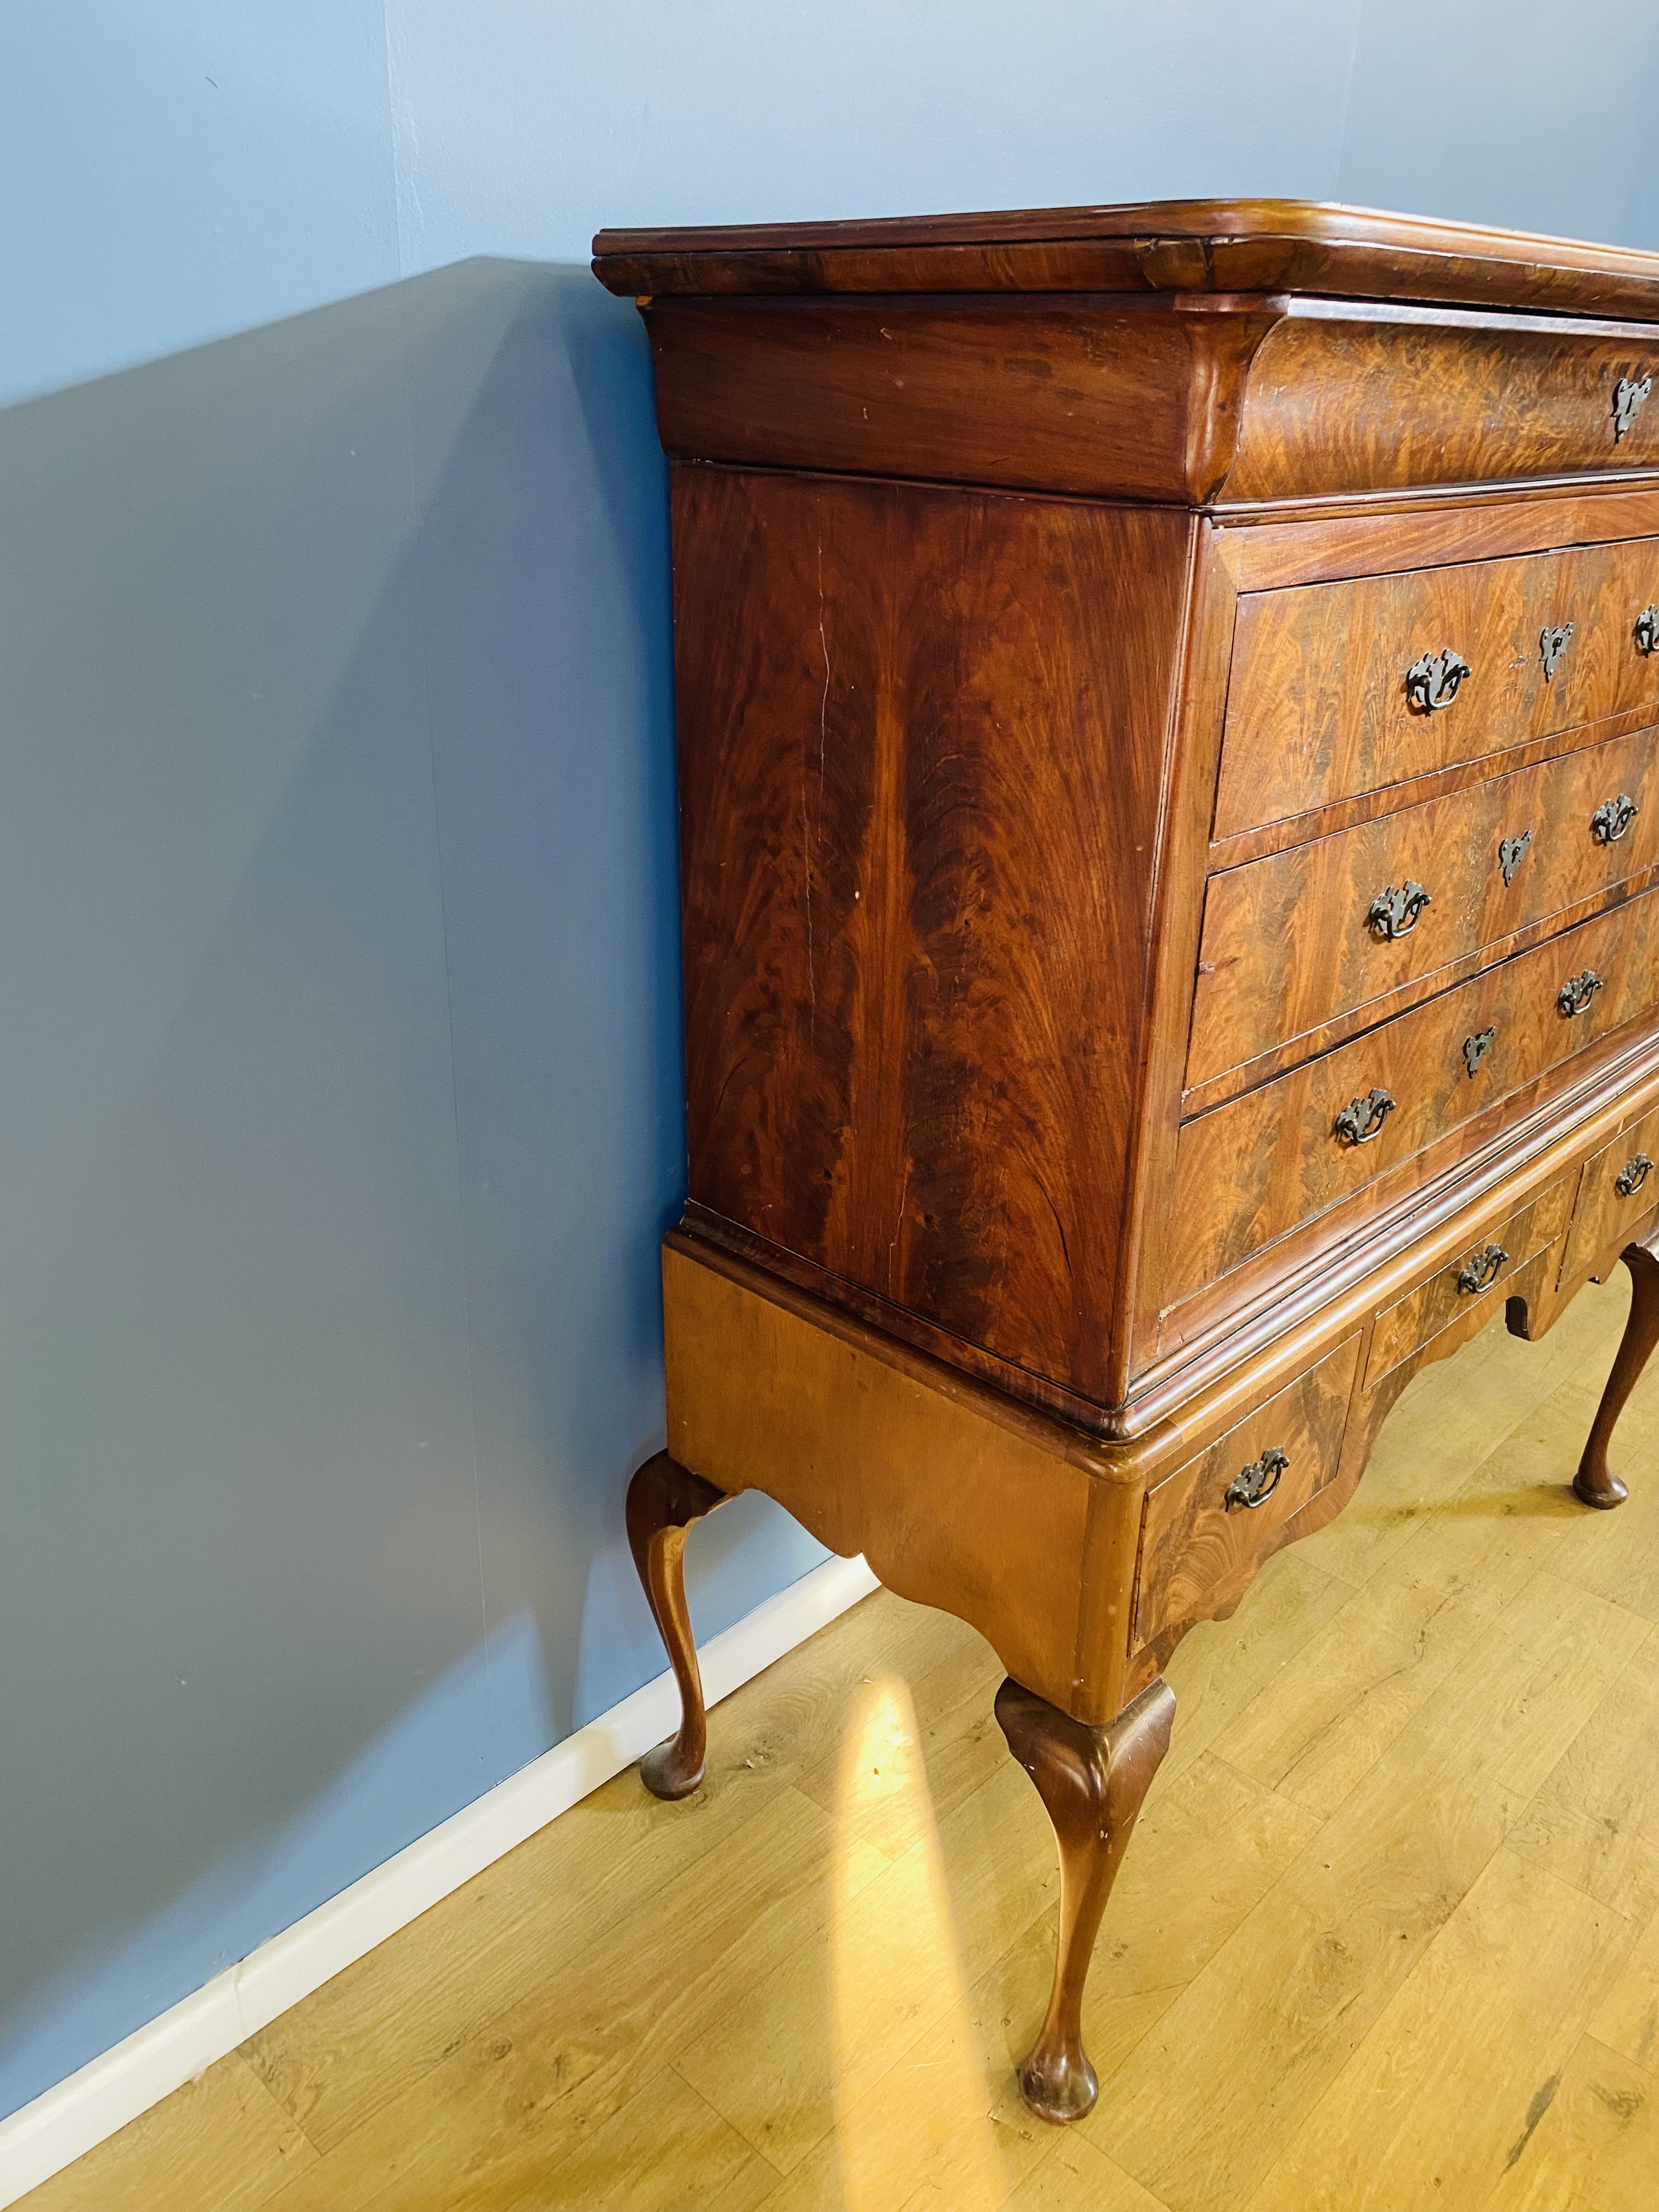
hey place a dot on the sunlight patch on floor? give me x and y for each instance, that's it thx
(942, 2083)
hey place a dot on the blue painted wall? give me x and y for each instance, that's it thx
(339, 1057)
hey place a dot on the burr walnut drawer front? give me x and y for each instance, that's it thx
(1306, 936)
(1465, 1286)
(1344, 687)
(1207, 1528)
(1248, 1171)
(1619, 1185)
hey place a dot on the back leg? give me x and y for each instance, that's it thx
(664, 1500)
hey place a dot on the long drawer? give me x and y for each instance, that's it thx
(1349, 687)
(1250, 1171)
(1301, 938)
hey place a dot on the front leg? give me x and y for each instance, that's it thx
(1595, 1482)
(1093, 1781)
(664, 1500)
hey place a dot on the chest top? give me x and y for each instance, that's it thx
(1209, 352)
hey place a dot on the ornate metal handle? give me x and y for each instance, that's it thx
(1647, 630)
(1632, 1177)
(1434, 681)
(1480, 1271)
(1362, 1119)
(1255, 1484)
(1511, 854)
(1476, 1047)
(1575, 994)
(1552, 644)
(1612, 817)
(1627, 398)
(1396, 913)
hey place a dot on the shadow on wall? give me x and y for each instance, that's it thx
(340, 1112)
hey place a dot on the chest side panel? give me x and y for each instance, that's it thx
(921, 737)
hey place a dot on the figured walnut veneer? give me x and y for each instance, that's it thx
(1288, 946)
(1167, 704)
(919, 735)
(1316, 708)
(1269, 1161)
(1474, 1275)
(1620, 1189)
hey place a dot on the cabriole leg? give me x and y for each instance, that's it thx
(1093, 1781)
(664, 1500)
(1595, 1482)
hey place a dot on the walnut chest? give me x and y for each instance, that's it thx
(1167, 704)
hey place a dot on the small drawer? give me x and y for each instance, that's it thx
(1250, 1171)
(1337, 689)
(1301, 938)
(1619, 1185)
(1207, 1527)
(1466, 1285)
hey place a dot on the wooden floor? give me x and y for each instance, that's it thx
(1388, 1936)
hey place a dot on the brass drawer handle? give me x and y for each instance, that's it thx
(1632, 1177)
(1627, 398)
(1255, 1484)
(1647, 630)
(1552, 644)
(1576, 993)
(1480, 1271)
(1476, 1047)
(1511, 854)
(1362, 1119)
(1434, 681)
(1395, 913)
(1612, 817)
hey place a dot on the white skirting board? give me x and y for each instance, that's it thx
(46, 2136)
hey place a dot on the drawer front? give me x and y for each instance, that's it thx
(1304, 937)
(1334, 404)
(1323, 703)
(1248, 1171)
(1619, 1185)
(1198, 1550)
(1467, 1284)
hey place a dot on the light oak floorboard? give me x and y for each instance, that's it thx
(1628, 2021)
(663, 2151)
(551, 2071)
(1205, 1852)
(1440, 2091)
(221, 2140)
(440, 1982)
(1595, 2145)
(1077, 2177)
(1387, 1935)
(1595, 1820)
(822, 2028)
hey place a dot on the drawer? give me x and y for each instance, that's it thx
(1198, 1550)
(1465, 1286)
(1300, 938)
(1321, 703)
(1616, 1191)
(1250, 1170)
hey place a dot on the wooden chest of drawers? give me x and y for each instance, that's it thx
(1167, 702)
